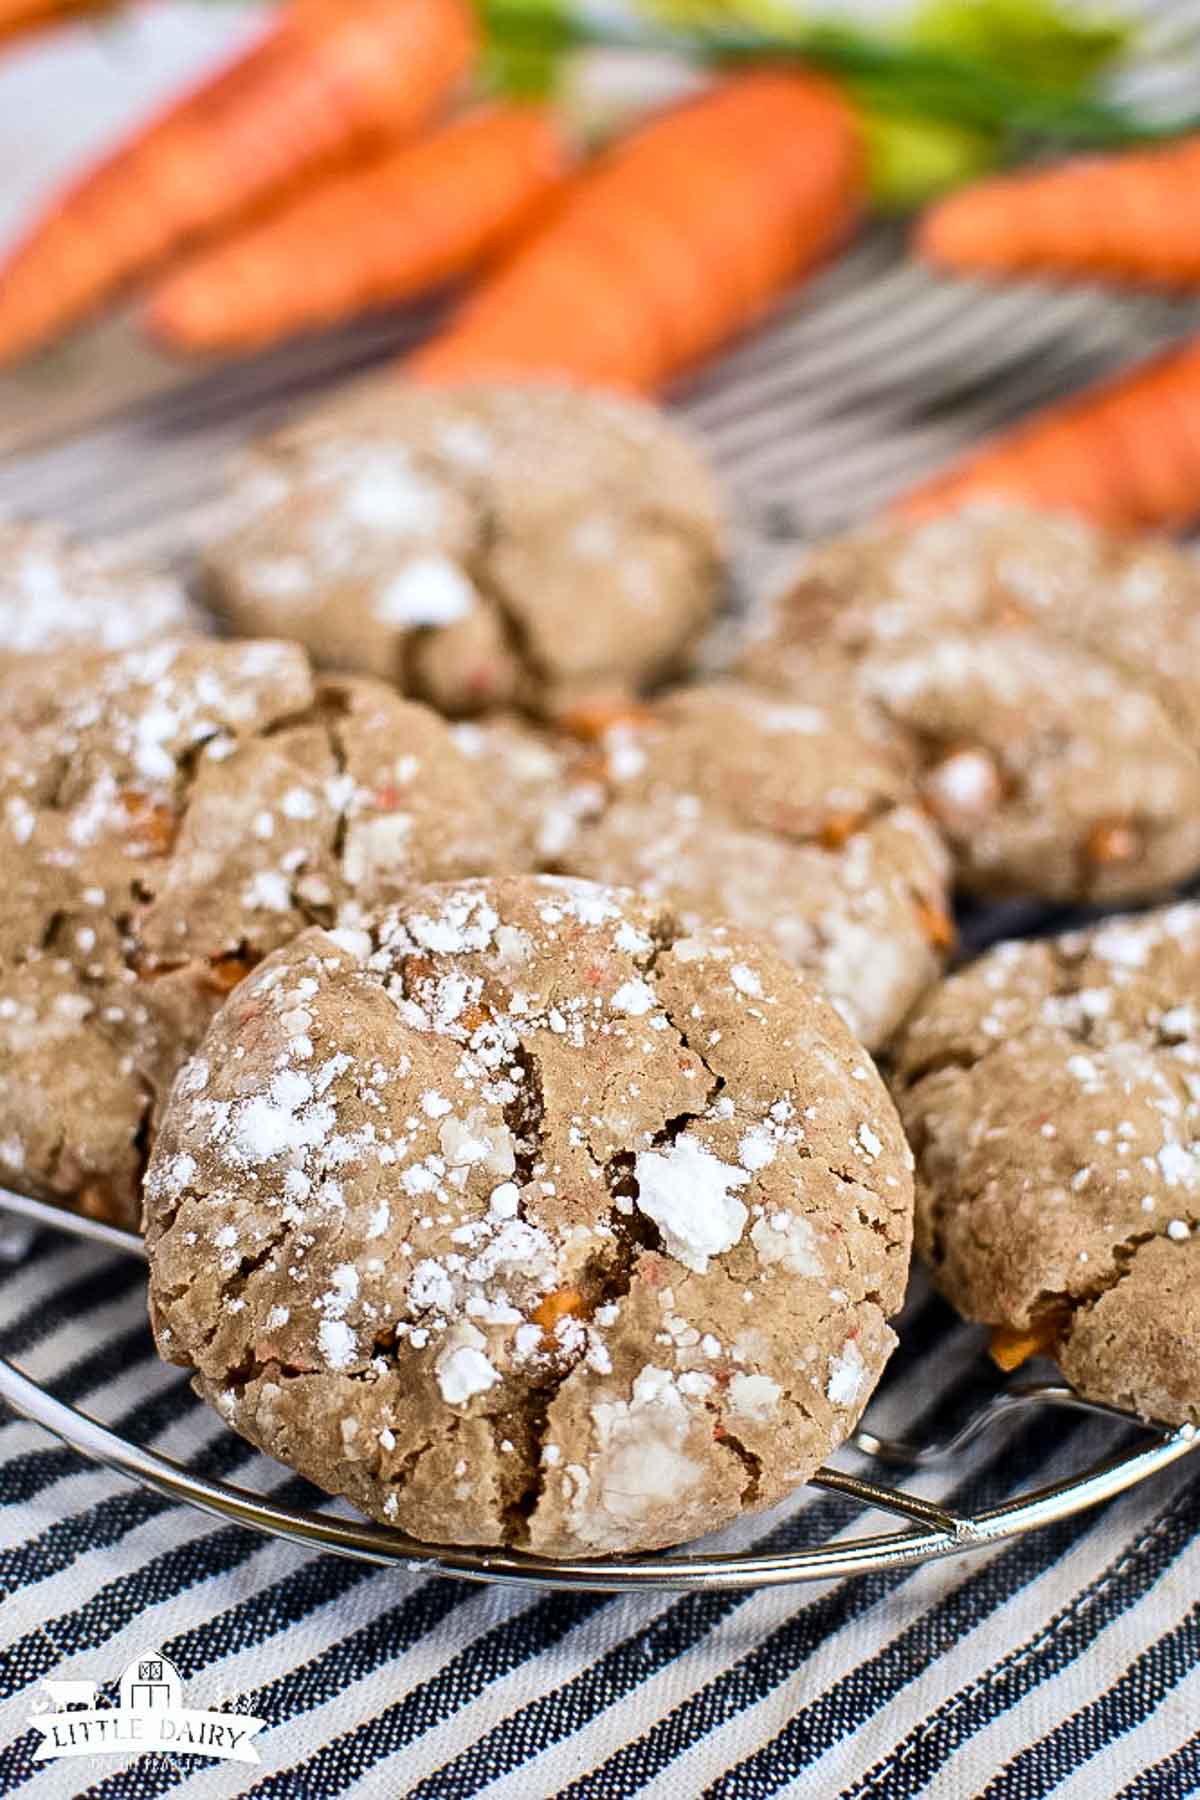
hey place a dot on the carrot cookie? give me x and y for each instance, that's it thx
(480, 547)
(1052, 1096)
(1046, 675)
(542, 784)
(796, 821)
(57, 594)
(522, 1216)
(168, 816)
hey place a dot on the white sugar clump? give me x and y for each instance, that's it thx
(745, 980)
(1179, 1167)
(847, 1373)
(430, 590)
(758, 1147)
(285, 1118)
(465, 1142)
(869, 1141)
(337, 1343)
(641, 1461)
(430, 1287)
(382, 491)
(465, 922)
(754, 1397)
(789, 1240)
(21, 818)
(635, 997)
(462, 1368)
(299, 803)
(335, 1339)
(268, 891)
(686, 1190)
(377, 847)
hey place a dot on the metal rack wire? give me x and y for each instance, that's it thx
(926, 1531)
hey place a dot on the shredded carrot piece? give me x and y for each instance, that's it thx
(1112, 842)
(153, 826)
(225, 972)
(1010, 1347)
(937, 925)
(592, 720)
(564, 1303)
(840, 827)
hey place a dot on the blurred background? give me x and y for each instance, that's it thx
(870, 372)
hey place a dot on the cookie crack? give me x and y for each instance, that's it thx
(851, 1178)
(751, 1464)
(330, 707)
(1125, 1256)
(406, 1469)
(663, 942)
(517, 634)
(524, 1116)
(143, 891)
(53, 797)
(233, 1287)
(523, 1429)
(524, 1424)
(604, 1280)
(964, 1060)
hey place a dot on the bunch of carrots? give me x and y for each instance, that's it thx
(319, 121)
(340, 163)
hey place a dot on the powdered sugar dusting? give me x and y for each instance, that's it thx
(689, 1193)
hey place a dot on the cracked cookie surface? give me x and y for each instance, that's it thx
(521, 1216)
(1052, 1096)
(794, 821)
(480, 547)
(58, 594)
(168, 816)
(1045, 675)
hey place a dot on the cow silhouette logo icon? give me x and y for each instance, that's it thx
(150, 1715)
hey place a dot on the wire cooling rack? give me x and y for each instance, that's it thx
(925, 1532)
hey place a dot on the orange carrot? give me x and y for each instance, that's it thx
(1125, 453)
(1132, 217)
(670, 244)
(331, 79)
(384, 231)
(1010, 1347)
(23, 15)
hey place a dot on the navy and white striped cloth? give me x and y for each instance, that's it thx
(1066, 1663)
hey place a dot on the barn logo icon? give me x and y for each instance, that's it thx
(150, 1715)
